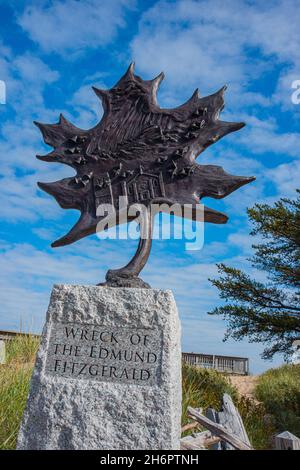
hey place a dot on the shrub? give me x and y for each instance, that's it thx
(203, 388)
(279, 391)
(258, 424)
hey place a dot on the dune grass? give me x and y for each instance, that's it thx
(14, 386)
(203, 388)
(279, 391)
(258, 424)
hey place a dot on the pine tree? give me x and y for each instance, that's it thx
(266, 312)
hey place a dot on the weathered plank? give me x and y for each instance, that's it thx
(193, 424)
(218, 430)
(189, 426)
(287, 441)
(198, 441)
(213, 416)
(194, 441)
(188, 445)
(230, 418)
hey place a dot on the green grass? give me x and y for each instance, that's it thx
(279, 391)
(14, 386)
(259, 426)
(203, 388)
(22, 349)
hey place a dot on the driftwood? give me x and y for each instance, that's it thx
(192, 425)
(230, 418)
(213, 416)
(225, 430)
(192, 443)
(198, 441)
(218, 430)
(189, 426)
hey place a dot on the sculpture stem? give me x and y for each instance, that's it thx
(128, 275)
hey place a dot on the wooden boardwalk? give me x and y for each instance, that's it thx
(228, 364)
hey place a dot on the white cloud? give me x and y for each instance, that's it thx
(87, 106)
(261, 135)
(33, 70)
(180, 39)
(286, 177)
(207, 43)
(69, 25)
(261, 141)
(265, 136)
(27, 77)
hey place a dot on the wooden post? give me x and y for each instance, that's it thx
(2, 352)
(231, 419)
(213, 416)
(287, 441)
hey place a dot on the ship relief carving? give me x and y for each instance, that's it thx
(138, 187)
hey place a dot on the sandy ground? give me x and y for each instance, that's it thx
(245, 384)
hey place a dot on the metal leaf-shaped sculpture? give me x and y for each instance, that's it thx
(141, 152)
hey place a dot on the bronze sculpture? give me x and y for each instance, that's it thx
(144, 154)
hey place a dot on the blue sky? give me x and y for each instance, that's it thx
(52, 52)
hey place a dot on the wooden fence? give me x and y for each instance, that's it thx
(229, 364)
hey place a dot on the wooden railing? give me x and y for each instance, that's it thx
(229, 364)
(6, 335)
